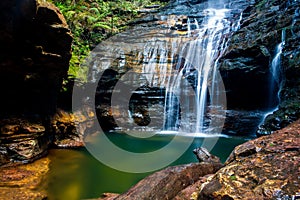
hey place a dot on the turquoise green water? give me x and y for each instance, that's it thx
(76, 174)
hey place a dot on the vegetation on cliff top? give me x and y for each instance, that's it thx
(91, 21)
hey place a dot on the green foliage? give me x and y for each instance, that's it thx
(91, 21)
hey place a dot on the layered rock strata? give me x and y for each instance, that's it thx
(35, 49)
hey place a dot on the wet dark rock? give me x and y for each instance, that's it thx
(245, 72)
(35, 49)
(245, 66)
(288, 112)
(264, 168)
(289, 107)
(68, 129)
(242, 123)
(133, 110)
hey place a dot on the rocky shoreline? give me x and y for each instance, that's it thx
(263, 168)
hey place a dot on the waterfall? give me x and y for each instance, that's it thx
(276, 74)
(177, 58)
(198, 65)
(215, 24)
(275, 79)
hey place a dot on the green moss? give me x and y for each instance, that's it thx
(92, 21)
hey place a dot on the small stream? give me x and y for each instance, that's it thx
(76, 174)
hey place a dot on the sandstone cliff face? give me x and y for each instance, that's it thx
(245, 66)
(35, 49)
(267, 167)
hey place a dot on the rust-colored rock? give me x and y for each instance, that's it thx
(190, 192)
(24, 181)
(167, 183)
(264, 168)
(68, 128)
(108, 196)
(22, 140)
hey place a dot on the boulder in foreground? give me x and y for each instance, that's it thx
(264, 168)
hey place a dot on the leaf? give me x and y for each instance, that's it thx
(94, 11)
(70, 14)
(101, 25)
(91, 19)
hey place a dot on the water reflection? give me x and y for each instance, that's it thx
(75, 174)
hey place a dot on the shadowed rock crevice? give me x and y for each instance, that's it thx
(245, 66)
(35, 49)
(35, 53)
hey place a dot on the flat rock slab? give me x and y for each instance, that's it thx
(22, 140)
(166, 184)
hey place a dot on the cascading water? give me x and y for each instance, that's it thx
(276, 73)
(276, 79)
(199, 65)
(177, 57)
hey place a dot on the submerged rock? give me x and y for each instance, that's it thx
(24, 181)
(203, 155)
(264, 168)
